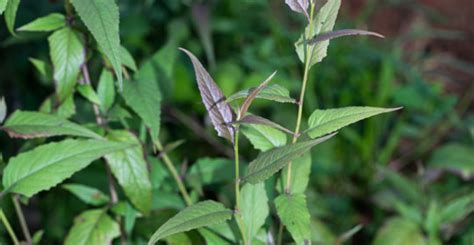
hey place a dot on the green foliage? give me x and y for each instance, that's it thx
(263, 137)
(50, 22)
(89, 195)
(88, 92)
(398, 231)
(273, 92)
(254, 209)
(3, 109)
(10, 14)
(93, 227)
(106, 91)
(293, 213)
(455, 157)
(3, 5)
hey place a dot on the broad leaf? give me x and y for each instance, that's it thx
(10, 14)
(106, 90)
(322, 122)
(27, 124)
(300, 6)
(300, 172)
(293, 213)
(3, 109)
(340, 33)
(88, 92)
(456, 157)
(127, 59)
(272, 92)
(89, 195)
(50, 22)
(399, 231)
(67, 54)
(257, 120)
(48, 165)
(254, 208)
(199, 215)
(249, 99)
(264, 137)
(269, 162)
(220, 112)
(102, 20)
(93, 227)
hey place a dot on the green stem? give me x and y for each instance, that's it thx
(8, 227)
(21, 218)
(238, 215)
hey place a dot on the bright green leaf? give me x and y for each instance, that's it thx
(89, 195)
(3, 5)
(399, 231)
(93, 227)
(127, 59)
(272, 92)
(88, 92)
(455, 157)
(106, 90)
(10, 14)
(300, 172)
(264, 137)
(254, 208)
(294, 214)
(50, 22)
(43, 68)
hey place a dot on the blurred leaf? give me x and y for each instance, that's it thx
(93, 227)
(206, 171)
(10, 14)
(89, 195)
(454, 156)
(300, 172)
(3, 109)
(88, 92)
(320, 233)
(408, 189)
(294, 214)
(50, 22)
(346, 236)
(37, 236)
(299, 6)
(257, 120)
(272, 92)
(340, 33)
(432, 220)
(3, 5)
(457, 209)
(263, 137)
(43, 68)
(130, 215)
(254, 208)
(399, 231)
(127, 59)
(106, 90)
(409, 212)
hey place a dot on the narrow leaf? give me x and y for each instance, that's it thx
(272, 92)
(10, 14)
(50, 22)
(106, 90)
(89, 195)
(3, 109)
(93, 227)
(340, 33)
(293, 213)
(248, 101)
(263, 137)
(257, 120)
(88, 92)
(300, 6)
(254, 208)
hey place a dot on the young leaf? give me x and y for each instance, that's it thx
(50, 22)
(106, 90)
(88, 92)
(199, 215)
(269, 162)
(93, 227)
(263, 137)
(48, 165)
(127, 59)
(399, 231)
(220, 112)
(257, 120)
(27, 124)
(102, 20)
(322, 122)
(300, 172)
(67, 54)
(89, 195)
(300, 6)
(294, 214)
(3, 109)
(130, 169)
(272, 92)
(254, 208)
(10, 14)
(340, 33)
(248, 101)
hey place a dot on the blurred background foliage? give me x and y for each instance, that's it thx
(400, 176)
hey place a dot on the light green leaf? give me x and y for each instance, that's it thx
(50, 22)
(93, 227)
(199, 215)
(130, 169)
(300, 172)
(144, 97)
(127, 59)
(10, 14)
(269, 162)
(88, 92)
(106, 90)
(455, 157)
(322, 122)
(67, 54)
(102, 20)
(457, 209)
(48, 165)
(399, 231)
(67, 108)
(294, 214)
(3, 5)
(89, 195)
(254, 208)
(3, 109)
(272, 92)
(28, 124)
(264, 137)
(211, 238)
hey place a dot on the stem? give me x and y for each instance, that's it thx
(8, 227)
(21, 218)
(238, 216)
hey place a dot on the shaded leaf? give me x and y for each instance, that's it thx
(254, 208)
(263, 137)
(456, 157)
(93, 227)
(300, 6)
(399, 231)
(206, 171)
(49, 22)
(10, 14)
(293, 213)
(257, 120)
(127, 59)
(43, 68)
(88, 92)
(249, 99)
(106, 90)
(340, 33)
(273, 92)
(3, 109)
(89, 195)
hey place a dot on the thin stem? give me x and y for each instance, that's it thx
(8, 227)
(21, 218)
(237, 169)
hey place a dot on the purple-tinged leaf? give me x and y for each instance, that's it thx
(248, 101)
(341, 33)
(220, 112)
(300, 6)
(253, 119)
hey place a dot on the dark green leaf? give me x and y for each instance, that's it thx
(294, 214)
(89, 195)
(50, 22)
(93, 227)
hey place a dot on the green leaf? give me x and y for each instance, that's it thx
(67, 54)
(207, 171)
(294, 214)
(67, 108)
(457, 209)
(456, 157)
(300, 172)
(269, 162)
(3, 109)
(50, 22)
(272, 92)
(43, 68)
(106, 90)
(144, 97)
(399, 231)
(322, 122)
(93, 227)
(3, 5)
(102, 20)
(127, 59)
(199, 215)
(48, 165)
(89, 195)
(130, 169)
(28, 124)
(88, 92)
(10, 15)
(254, 208)
(263, 137)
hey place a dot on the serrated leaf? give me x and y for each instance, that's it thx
(453, 156)
(273, 92)
(340, 33)
(28, 124)
(48, 165)
(127, 59)
(106, 90)
(10, 14)
(293, 213)
(322, 122)
(220, 112)
(254, 208)
(249, 99)
(102, 20)
(88, 92)
(269, 162)
(3, 109)
(399, 231)
(257, 120)
(199, 215)
(264, 137)
(49, 22)
(299, 6)
(93, 227)
(130, 169)
(144, 97)
(300, 172)
(89, 195)
(67, 54)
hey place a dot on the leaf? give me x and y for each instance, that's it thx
(89, 195)
(248, 101)
(322, 122)
(269, 162)
(300, 172)
(88, 92)
(127, 59)
(454, 156)
(299, 6)
(273, 92)
(457, 209)
(144, 97)
(106, 90)
(220, 112)
(44, 69)
(201, 214)
(93, 227)
(3, 5)
(49, 22)
(48, 165)
(399, 231)
(3, 109)
(10, 14)
(102, 20)
(254, 208)
(264, 137)
(67, 108)
(340, 33)
(130, 169)
(294, 214)
(206, 171)
(67, 54)
(257, 120)
(27, 124)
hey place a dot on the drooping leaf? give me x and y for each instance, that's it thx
(127, 59)
(87, 194)
(299, 6)
(93, 227)
(249, 99)
(67, 54)
(199, 215)
(269, 162)
(399, 231)
(102, 20)
(88, 92)
(264, 137)
(257, 120)
(28, 124)
(254, 208)
(10, 14)
(293, 213)
(220, 112)
(50, 22)
(273, 92)
(106, 90)
(340, 33)
(3, 5)
(3, 109)
(130, 169)
(48, 165)
(456, 157)
(300, 172)
(322, 122)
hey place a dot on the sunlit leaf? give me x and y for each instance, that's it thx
(300, 172)
(87, 194)
(293, 213)
(93, 227)
(3, 5)
(254, 208)
(49, 22)
(88, 92)
(263, 137)
(399, 231)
